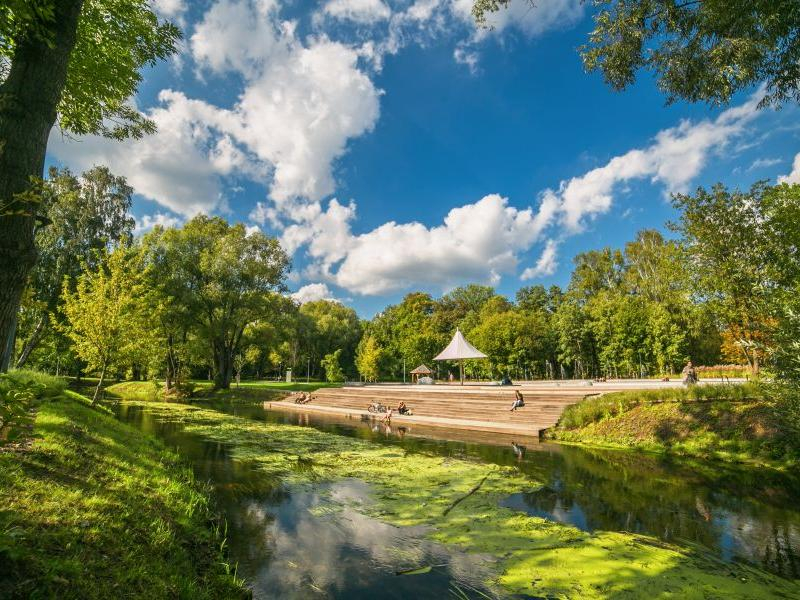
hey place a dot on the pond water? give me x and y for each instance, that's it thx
(292, 543)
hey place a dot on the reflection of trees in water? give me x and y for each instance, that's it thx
(741, 514)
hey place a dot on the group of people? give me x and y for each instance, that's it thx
(402, 409)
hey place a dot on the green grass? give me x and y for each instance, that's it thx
(95, 509)
(456, 502)
(247, 390)
(597, 408)
(751, 423)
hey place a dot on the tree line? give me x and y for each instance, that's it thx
(209, 300)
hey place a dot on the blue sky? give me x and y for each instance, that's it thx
(392, 146)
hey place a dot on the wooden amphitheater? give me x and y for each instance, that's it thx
(473, 406)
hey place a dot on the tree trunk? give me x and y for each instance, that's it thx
(29, 100)
(223, 359)
(32, 342)
(99, 384)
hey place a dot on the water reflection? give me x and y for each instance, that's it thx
(312, 541)
(739, 514)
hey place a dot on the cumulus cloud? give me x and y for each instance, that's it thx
(172, 167)
(476, 242)
(313, 292)
(300, 103)
(485, 240)
(532, 19)
(676, 156)
(794, 175)
(546, 265)
(170, 9)
(359, 11)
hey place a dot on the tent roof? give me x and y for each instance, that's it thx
(459, 348)
(421, 370)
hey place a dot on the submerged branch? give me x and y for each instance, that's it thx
(464, 497)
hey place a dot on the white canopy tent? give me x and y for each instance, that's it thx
(460, 349)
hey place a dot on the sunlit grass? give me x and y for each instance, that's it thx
(95, 509)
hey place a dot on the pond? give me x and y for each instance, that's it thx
(294, 542)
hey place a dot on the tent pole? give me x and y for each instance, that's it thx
(461, 365)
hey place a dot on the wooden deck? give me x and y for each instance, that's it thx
(479, 408)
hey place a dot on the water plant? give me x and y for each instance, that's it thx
(457, 501)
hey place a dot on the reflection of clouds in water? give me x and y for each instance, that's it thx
(321, 543)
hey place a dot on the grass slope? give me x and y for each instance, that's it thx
(247, 390)
(94, 509)
(747, 423)
(458, 501)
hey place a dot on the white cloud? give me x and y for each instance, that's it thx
(170, 9)
(762, 163)
(300, 104)
(313, 292)
(359, 11)
(476, 242)
(146, 222)
(172, 167)
(484, 241)
(676, 156)
(547, 263)
(794, 175)
(531, 18)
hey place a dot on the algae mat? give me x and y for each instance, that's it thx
(458, 502)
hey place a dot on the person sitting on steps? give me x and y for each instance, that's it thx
(519, 401)
(402, 409)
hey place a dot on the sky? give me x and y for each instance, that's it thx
(392, 146)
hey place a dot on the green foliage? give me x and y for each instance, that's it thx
(86, 217)
(18, 391)
(333, 369)
(329, 326)
(368, 358)
(106, 315)
(115, 40)
(597, 408)
(214, 280)
(699, 51)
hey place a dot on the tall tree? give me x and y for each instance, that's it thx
(77, 60)
(726, 235)
(86, 217)
(222, 278)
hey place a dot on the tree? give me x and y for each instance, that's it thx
(220, 279)
(699, 50)
(332, 326)
(368, 358)
(333, 369)
(726, 235)
(78, 61)
(86, 217)
(105, 316)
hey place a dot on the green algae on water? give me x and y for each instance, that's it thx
(457, 502)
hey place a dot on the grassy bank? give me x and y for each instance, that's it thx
(457, 502)
(247, 390)
(748, 423)
(91, 508)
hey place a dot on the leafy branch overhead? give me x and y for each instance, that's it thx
(698, 50)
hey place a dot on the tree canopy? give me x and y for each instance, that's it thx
(698, 50)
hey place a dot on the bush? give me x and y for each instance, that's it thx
(18, 391)
(598, 408)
